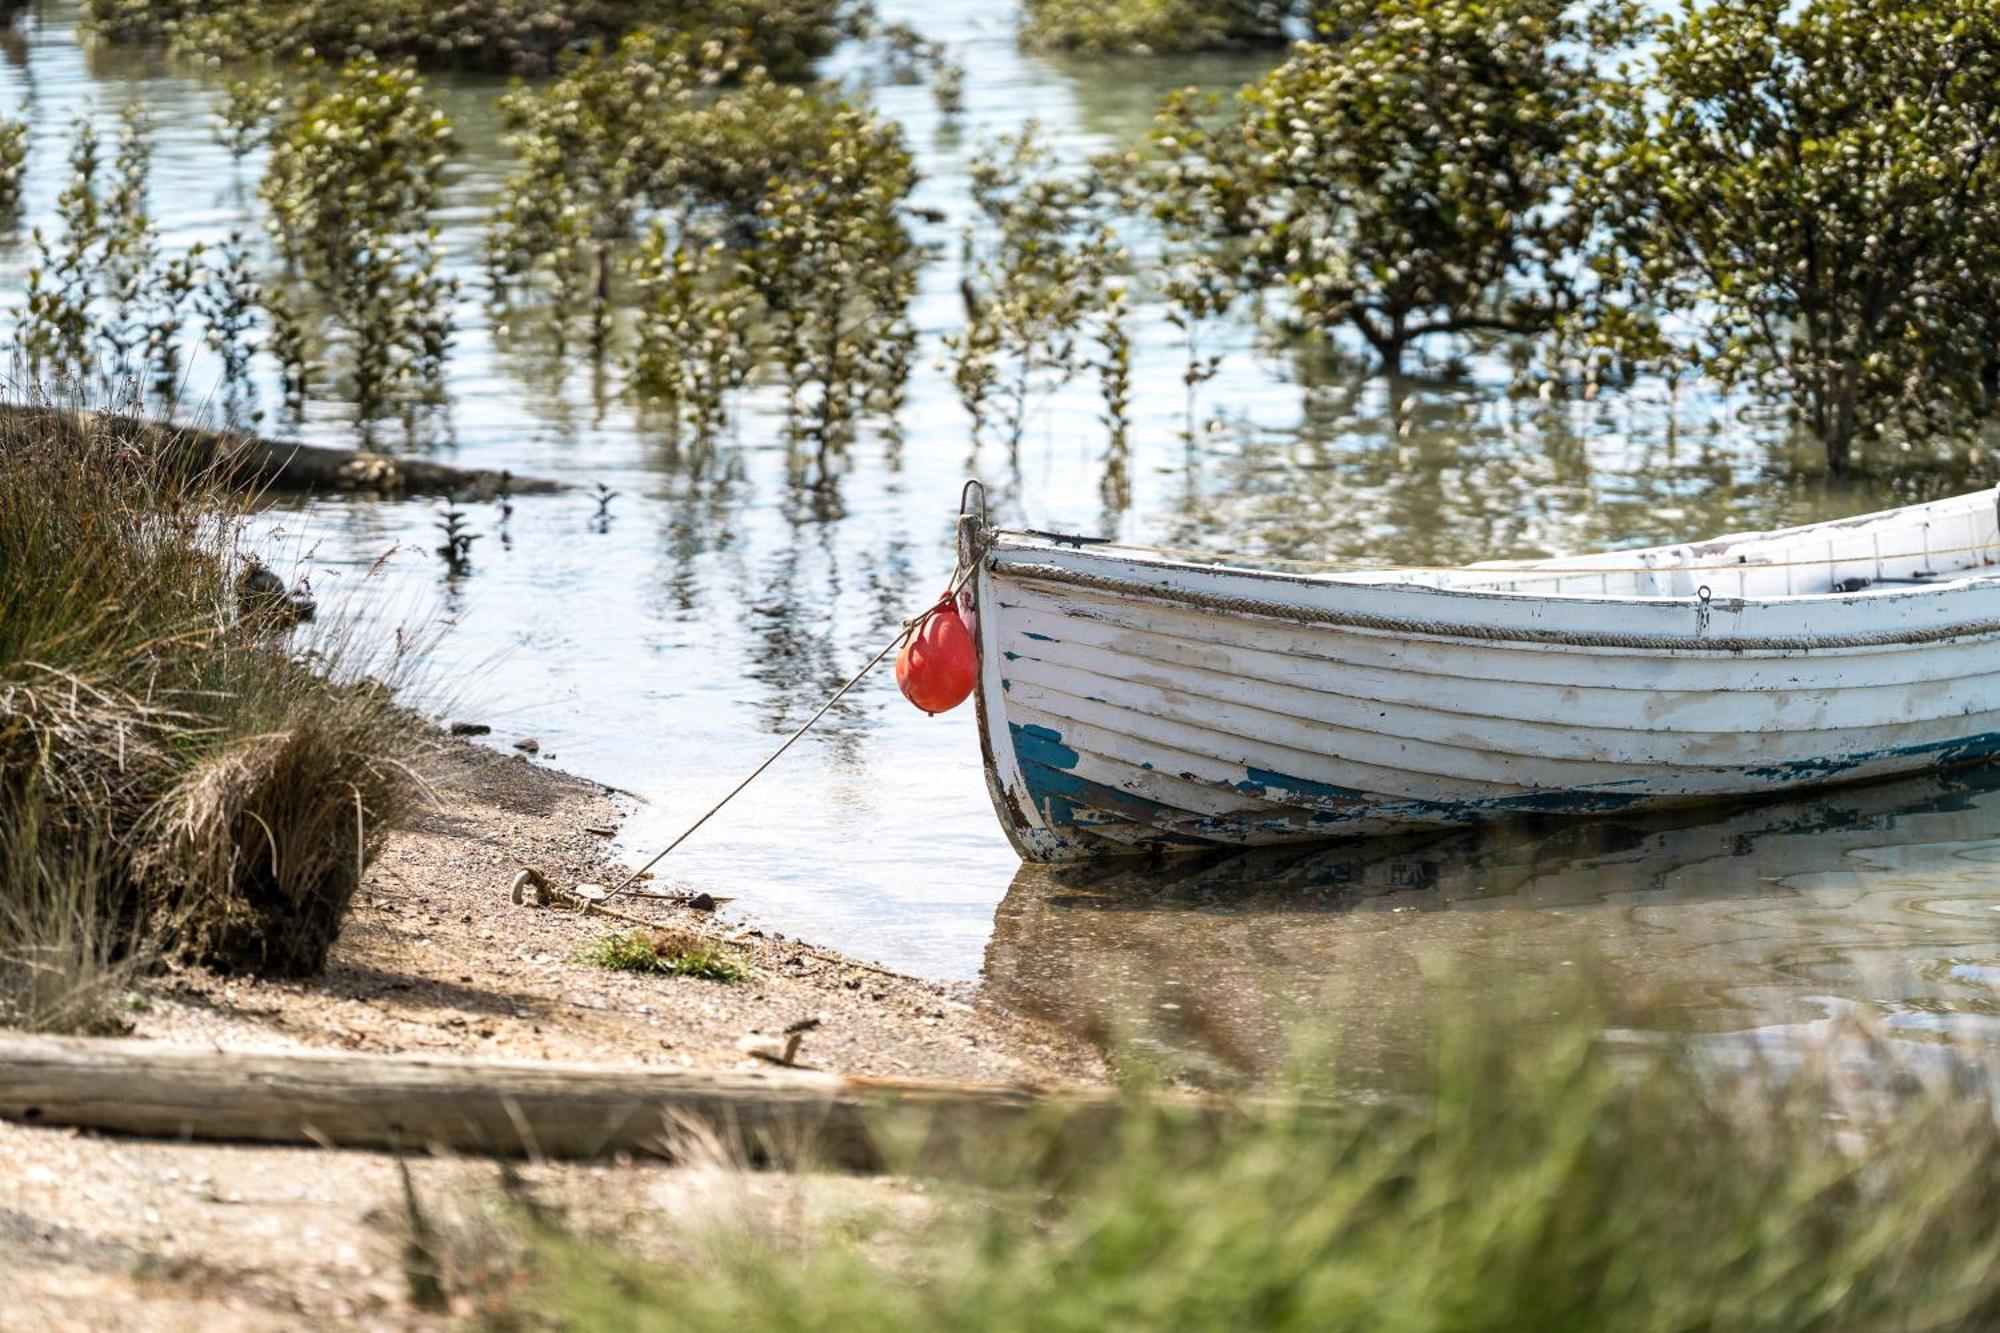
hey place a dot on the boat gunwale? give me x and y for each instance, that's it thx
(1007, 560)
(1340, 574)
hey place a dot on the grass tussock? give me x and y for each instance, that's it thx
(677, 953)
(176, 772)
(1540, 1181)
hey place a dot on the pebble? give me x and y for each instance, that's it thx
(471, 729)
(528, 745)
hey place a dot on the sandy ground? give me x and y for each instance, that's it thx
(117, 1235)
(436, 958)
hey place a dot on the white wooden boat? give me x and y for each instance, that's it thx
(1133, 699)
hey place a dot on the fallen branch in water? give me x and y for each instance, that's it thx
(533, 1109)
(257, 462)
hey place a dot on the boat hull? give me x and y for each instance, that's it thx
(1131, 703)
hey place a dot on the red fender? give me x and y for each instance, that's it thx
(939, 665)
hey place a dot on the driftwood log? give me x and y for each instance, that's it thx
(259, 463)
(535, 1108)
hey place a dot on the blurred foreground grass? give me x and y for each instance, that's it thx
(1544, 1180)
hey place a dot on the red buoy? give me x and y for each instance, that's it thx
(939, 665)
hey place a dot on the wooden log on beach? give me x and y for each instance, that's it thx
(533, 1108)
(261, 463)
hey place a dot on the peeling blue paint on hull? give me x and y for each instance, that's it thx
(1092, 817)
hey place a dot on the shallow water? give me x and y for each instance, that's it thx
(665, 647)
(1764, 920)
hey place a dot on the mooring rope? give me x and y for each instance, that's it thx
(909, 627)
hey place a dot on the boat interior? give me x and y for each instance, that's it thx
(1931, 544)
(1925, 545)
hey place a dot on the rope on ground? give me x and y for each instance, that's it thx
(909, 627)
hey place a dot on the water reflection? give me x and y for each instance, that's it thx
(1768, 917)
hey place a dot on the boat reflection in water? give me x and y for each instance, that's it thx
(1766, 921)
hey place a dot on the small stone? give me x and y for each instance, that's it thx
(701, 902)
(528, 745)
(471, 729)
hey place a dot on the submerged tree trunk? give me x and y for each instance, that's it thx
(256, 462)
(1389, 343)
(1836, 415)
(1840, 444)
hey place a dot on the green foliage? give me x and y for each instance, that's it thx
(834, 270)
(1808, 206)
(171, 776)
(1112, 339)
(772, 223)
(56, 326)
(13, 163)
(1545, 1181)
(597, 154)
(104, 308)
(1409, 176)
(249, 108)
(227, 303)
(1039, 272)
(1207, 252)
(906, 56)
(1154, 27)
(367, 256)
(456, 547)
(694, 350)
(667, 953)
(501, 36)
(662, 124)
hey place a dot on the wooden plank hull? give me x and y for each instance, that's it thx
(1131, 701)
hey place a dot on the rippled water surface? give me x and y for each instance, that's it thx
(665, 648)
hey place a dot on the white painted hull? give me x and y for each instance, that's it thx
(1130, 700)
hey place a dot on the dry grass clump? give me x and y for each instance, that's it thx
(173, 774)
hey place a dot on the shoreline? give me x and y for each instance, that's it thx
(435, 957)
